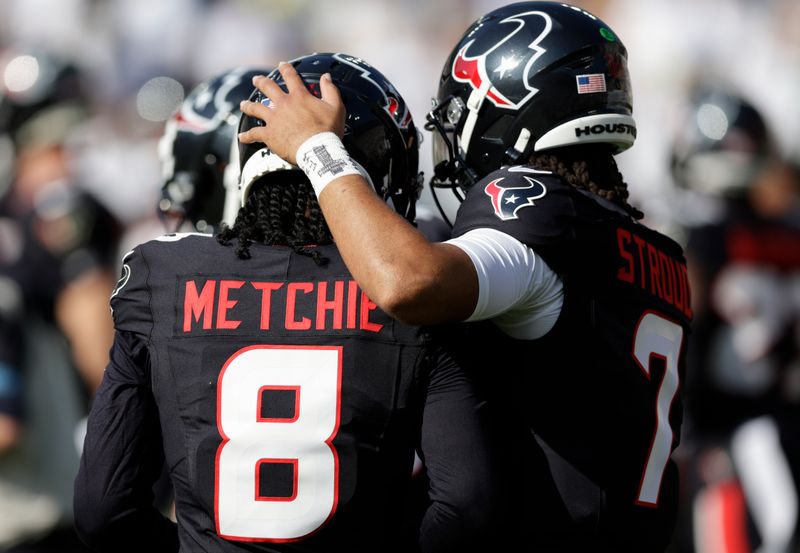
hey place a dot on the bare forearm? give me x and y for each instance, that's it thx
(82, 312)
(407, 276)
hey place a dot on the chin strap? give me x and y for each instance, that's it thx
(474, 104)
(230, 181)
(513, 155)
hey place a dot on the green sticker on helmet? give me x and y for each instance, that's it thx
(607, 34)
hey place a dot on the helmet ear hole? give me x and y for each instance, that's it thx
(498, 128)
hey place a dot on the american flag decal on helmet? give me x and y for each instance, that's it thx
(596, 82)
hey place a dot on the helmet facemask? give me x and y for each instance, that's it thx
(450, 170)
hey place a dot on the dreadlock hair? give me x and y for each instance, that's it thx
(589, 167)
(281, 210)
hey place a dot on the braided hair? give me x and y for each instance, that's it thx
(282, 212)
(590, 168)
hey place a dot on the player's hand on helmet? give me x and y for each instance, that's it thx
(294, 116)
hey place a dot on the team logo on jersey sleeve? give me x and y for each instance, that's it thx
(394, 106)
(507, 201)
(125, 276)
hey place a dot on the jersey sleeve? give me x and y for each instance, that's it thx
(130, 300)
(535, 207)
(122, 458)
(516, 287)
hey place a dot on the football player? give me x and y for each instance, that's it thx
(286, 404)
(588, 310)
(742, 397)
(56, 263)
(67, 235)
(199, 156)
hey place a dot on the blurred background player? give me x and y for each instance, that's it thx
(315, 403)
(199, 154)
(743, 397)
(57, 257)
(68, 235)
(588, 310)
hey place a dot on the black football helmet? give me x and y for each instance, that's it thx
(524, 78)
(43, 98)
(38, 86)
(722, 145)
(379, 134)
(198, 153)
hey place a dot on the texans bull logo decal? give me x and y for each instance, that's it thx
(124, 278)
(507, 201)
(212, 102)
(401, 115)
(491, 68)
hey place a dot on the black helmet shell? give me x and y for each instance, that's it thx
(196, 151)
(722, 144)
(529, 77)
(379, 131)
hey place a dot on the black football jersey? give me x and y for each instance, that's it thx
(747, 266)
(286, 405)
(593, 409)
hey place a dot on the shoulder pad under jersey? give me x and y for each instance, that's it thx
(130, 299)
(536, 207)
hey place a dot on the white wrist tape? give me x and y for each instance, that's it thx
(323, 159)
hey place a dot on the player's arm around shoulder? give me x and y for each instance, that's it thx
(407, 276)
(415, 281)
